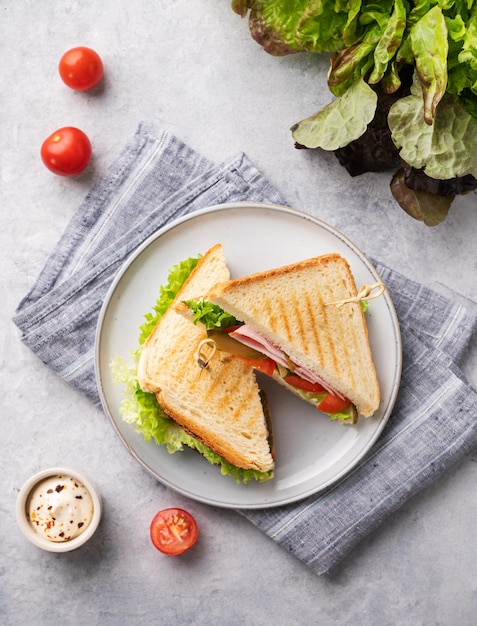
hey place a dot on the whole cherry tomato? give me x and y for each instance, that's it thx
(67, 152)
(173, 531)
(81, 68)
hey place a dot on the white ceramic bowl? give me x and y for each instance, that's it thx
(26, 526)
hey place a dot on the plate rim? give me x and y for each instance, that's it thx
(190, 217)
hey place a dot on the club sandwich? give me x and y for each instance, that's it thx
(216, 400)
(303, 325)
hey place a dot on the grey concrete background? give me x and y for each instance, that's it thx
(191, 67)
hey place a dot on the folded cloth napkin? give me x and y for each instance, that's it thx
(155, 180)
(433, 424)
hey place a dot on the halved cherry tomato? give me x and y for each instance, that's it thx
(333, 404)
(67, 151)
(173, 531)
(81, 68)
(305, 385)
(266, 365)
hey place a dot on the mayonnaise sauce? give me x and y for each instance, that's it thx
(60, 508)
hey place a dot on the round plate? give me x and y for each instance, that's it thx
(311, 452)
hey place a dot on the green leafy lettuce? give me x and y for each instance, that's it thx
(375, 48)
(340, 122)
(445, 149)
(143, 410)
(210, 315)
(292, 26)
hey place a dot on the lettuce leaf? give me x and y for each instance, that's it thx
(422, 205)
(445, 149)
(143, 410)
(178, 274)
(210, 315)
(343, 120)
(291, 26)
(430, 46)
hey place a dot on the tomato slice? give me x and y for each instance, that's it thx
(305, 385)
(173, 531)
(230, 329)
(333, 404)
(266, 365)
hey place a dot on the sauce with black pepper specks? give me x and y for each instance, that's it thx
(60, 508)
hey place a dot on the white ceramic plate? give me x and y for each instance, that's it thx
(311, 452)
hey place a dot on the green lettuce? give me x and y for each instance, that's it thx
(177, 276)
(374, 49)
(143, 410)
(210, 315)
(445, 149)
(292, 26)
(340, 122)
(429, 46)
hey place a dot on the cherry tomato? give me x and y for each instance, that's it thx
(81, 68)
(173, 531)
(266, 365)
(333, 404)
(305, 385)
(67, 151)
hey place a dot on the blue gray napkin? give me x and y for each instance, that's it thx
(155, 180)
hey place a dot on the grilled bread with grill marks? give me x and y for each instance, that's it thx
(219, 405)
(287, 306)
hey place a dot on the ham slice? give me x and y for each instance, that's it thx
(251, 338)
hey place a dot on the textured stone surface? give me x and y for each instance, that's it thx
(190, 67)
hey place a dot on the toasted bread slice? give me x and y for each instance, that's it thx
(219, 405)
(288, 306)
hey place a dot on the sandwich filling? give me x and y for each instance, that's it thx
(251, 338)
(242, 341)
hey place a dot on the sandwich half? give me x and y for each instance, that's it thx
(288, 320)
(217, 401)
